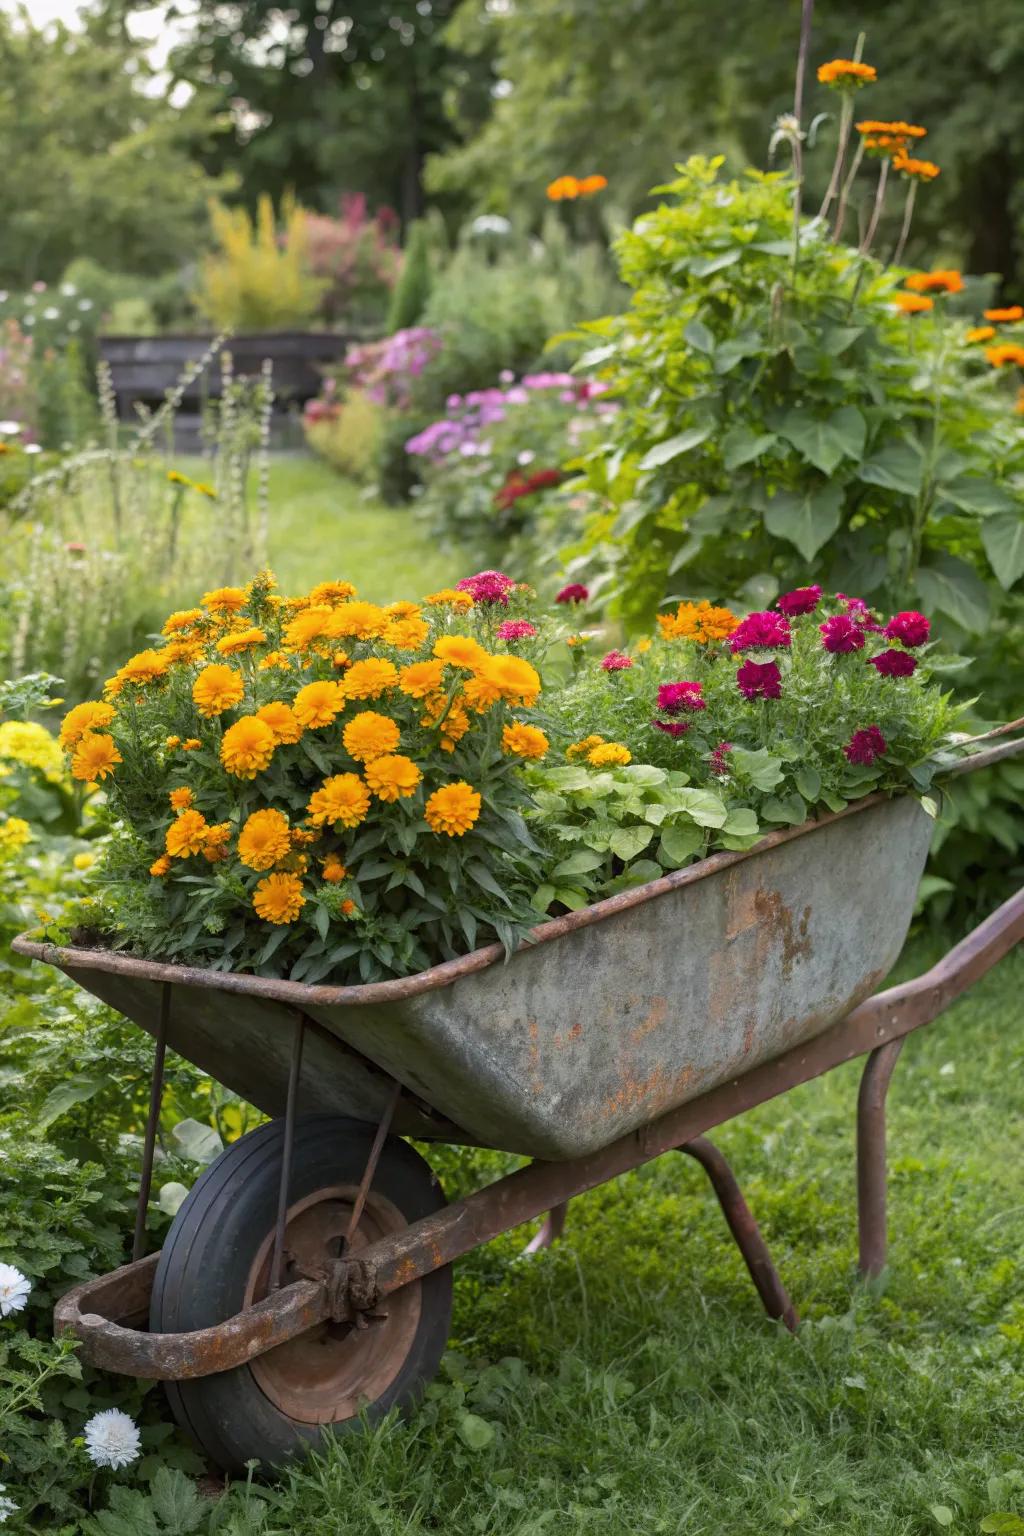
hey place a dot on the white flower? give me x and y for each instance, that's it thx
(526, 457)
(14, 1289)
(7, 1506)
(68, 290)
(33, 448)
(111, 1439)
(51, 313)
(490, 224)
(8, 427)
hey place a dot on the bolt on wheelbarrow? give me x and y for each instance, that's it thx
(307, 1276)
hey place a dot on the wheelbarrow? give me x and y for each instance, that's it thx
(306, 1278)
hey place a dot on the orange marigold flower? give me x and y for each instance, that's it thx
(369, 679)
(609, 753)
(185, 618)
(450, 597)
(947, 280)
(581, 748)
(701, 621)
(515, 679)
(160, 866)
(406, 634)
(90, 716)
(217, 839)
(421, 678)
(281, 719)
(480, 692)
(216, 689)
(332, 592)
(368, 735)
(454, 726)
(453, 809)
(460, 651)
(917, 170)
(191, 745)
(1006, 353)
(334, 870)
(264, 839)
(145, 667)
(562, 188)
(393, 776)
(524, 741)
(357, 621)
(95, 757)
(247, 747)
(306, 627)
(317, 704)
(1005, 316)
(897, 129)
(341, 659)
(591, 184)
(187, 651)
(171, 742)
(279, 898)
(244, 640)
(912, 303)
(224, 599)
(181, 799)
(273, 659)
(187, 835)
(980, 333)
(348, 906)
(342, 798)
(846, 73)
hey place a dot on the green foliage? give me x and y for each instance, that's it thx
(259, 278)
(348, 435)
(415, 281)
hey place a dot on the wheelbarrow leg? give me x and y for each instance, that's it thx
(744, 1229)
(156, 1093)
(551, 1231)
(871, 1160)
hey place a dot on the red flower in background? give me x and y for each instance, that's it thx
(518, 485)
(841, 635)
(893, 663)
(516, 629)
(672, 727)
(759, 680)
(575, 592)
(616, 661)
(800, 600)
(761, 631)
(680, 698)
(910, 628)
(487, 587)
(864, 746)
(717, 763)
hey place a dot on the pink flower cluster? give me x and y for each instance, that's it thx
(864, 746)
(616, 661)
(678, 699)
(463, 429)
(759, 680)
(761, 631)
(575, 592)
(387, 369)
(516, 629)
(487, 587)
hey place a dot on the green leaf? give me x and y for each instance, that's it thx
(897, 467)
(701, 805)
(77, 1090)
(704, 266)
(1002, 1523)
(951, 586)
(740, 445)
(1003, 538)
(792, 810)
(672, 447)
(741, 822)
(808, 782)
(570, 897)
(627, 842)
(542, 898)
(643, 773)
(699, 337)
(177, 1503)
(679, 844)
(807, 519)
(973, 494)
(171, 1197)
(758, 768)
(825, 442)
(579, 863)
(474, 1432)
(199, 1143)
(942, 1514)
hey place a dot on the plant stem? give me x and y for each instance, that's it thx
(844, 196)
(908, 214)
(806, 14)
(876, 212)
(845, 123)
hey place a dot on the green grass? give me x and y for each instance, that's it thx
(627, 1381)
(325, 526)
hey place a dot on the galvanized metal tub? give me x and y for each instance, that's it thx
(611, 1017)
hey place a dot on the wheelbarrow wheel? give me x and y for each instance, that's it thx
(216, 1261)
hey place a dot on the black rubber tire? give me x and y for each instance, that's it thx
(210, 1251)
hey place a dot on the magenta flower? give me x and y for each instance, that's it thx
(893, 663)
(864, 746)
(853, 604)
(575, 592)
(800, 600)
(759, 680)
(681, 698)
(672, 727)
(841, 634)
(487, 587)
(616, 661)
(516, 629)
(760, 631)
(910, 628)
(717, 763)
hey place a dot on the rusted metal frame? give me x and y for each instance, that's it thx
(372, 1160)
(437, 1240)
(287, 1151)
(871, 1157)
(156, 1093)
(745, 1230)
(551, 1231)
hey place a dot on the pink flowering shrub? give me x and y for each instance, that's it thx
(358, 259)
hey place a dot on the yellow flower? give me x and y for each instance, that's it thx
(142, 668)
(247, 747)
(160, 866)
(342, 798)
(980, 333)
(217, 839)
(187, 835)
(281, 719)
(643, 645)
(171, 742)
(480, 692)
(454, 726)
(204, 489)
(846, 73)
(191, 745)
(187, 651)
(90, 716)
(274, 659)
(15, 832)
(369, 735)
(181, 799)
(317, 704)
(698, 621)
(185, 618)
(332, 592)
(216, 689)
(84, 860)
(393, 777)
(581, 748)
(406, 634)
(177, 478)
(264, 839)
(524, 741)
(453, 809)
(310, 625)
(358, 621)
(334, 869)
(515, 679)
(421, 678)
(450, 597)
(279, 898)
(224, 599)
(460, 651)
(609, 753)
(95, 757)
(243, 641)
(22, 741)
(370, 678)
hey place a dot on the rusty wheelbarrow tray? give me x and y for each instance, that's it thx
(611, 1039)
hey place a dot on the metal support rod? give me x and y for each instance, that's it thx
(745, 1230)
(551, 1231)
(284, 1188)
(871, 1159)
(156, 1091)
(371, 1166)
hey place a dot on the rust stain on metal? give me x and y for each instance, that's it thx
(656, 1016)
(777, 921)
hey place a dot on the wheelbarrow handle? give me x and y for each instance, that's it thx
(988, 755)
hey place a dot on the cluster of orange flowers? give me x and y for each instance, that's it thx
(568, 188)
(846, 74)
(701, 621)
(920, 285)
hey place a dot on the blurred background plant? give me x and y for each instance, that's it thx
(259, 278)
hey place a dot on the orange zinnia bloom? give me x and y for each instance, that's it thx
(980, 333)
(944, 281)
(563, 187)
(1007, 353)
(1006, 316)
(591, 184)
(846, 73)
(912, 303)
(922, 170)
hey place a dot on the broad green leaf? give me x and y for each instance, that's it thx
(199, 1143)
(740, 445)
(758, 768)
(792, 810)
(826, 441)
(808, 782)
(627, 842)
(77, 1090)
(679, 844)
(474, 1432)
(672, 447)
(699, 337)
(835, 339)
(643, 773)
(741, 822)
(542, 898)
(1003, 538)
(807, 519)
(955, 589)
(704, 266)
(171, 1198)
(897, 467)
(942, 1515)
(598, 355)
(177, 1503)
(701, 805)
(973, 494)
(581, 862)
(570, 897)
(1002, 1523)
